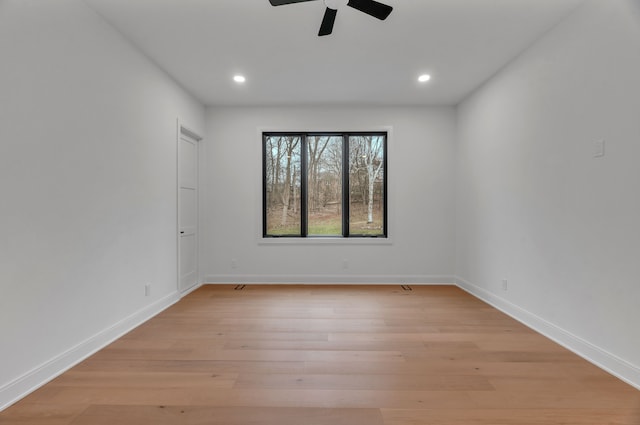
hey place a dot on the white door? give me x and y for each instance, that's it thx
(187, 209)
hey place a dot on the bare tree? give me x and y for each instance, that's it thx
(278, 165)
(316, 147)
(334, 166)
(366, 155)
(285, 195)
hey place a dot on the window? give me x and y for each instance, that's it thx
(324, 184)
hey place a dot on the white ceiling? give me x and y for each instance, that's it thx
(203, 43)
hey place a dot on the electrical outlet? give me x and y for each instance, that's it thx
(505, 285)
(147, 290)
(234, 263)
(345, 264)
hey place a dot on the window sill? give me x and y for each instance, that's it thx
(325, 241)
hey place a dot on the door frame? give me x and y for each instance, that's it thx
(183, 130)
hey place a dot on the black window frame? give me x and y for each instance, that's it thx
(345, 183)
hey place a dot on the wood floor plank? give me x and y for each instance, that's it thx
(145, 380)
(294, 355)
(322, 345)
(384, 336)
(30, 413)
(417, 368)
(373, 382)
(339, 355)
(204, 415)
(263, 397)
(510, 417)
(551, 398)
(189, 366)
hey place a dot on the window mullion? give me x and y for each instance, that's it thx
(304, 155)
(346, 190)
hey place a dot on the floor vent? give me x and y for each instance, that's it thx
(406, 287)
(239, 287)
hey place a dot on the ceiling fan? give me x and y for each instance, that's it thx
(370, 7)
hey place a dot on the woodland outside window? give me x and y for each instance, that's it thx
(324, 185)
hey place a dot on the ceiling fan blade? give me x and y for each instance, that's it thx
(371, 7)
(327, 22)
(281, 2)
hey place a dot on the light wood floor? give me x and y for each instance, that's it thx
(330, 355)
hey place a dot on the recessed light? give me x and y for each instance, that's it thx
(239, 79)
(424, 78)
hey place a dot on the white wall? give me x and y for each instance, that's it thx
(88, 187)
(88, 174)
(533, 204)
(421, 200)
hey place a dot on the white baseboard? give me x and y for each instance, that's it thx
(190, 290)
(609, 362)
(332, 279)
(37, 377)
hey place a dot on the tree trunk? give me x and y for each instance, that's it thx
(286, 191)
(294, 191)
(370, 203)
(276, 173)
(372, 174)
